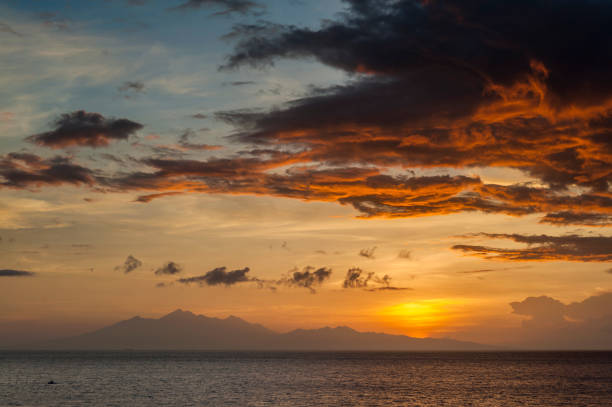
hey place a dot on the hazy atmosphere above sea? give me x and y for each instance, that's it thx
(429, 168)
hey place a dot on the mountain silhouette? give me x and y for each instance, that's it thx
(184, 330)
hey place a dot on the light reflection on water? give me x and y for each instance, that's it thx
(306, 379)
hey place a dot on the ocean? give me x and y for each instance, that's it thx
(134, 378)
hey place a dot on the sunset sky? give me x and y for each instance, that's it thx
(420, 167)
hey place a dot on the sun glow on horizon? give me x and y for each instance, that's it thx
(423, 318)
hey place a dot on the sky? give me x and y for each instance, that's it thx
(433, 168)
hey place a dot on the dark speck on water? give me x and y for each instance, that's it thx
(434, 379)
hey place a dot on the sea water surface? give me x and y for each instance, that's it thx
(306, 379)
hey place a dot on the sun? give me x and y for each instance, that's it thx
(420, 318)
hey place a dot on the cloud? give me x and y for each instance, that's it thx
(200, 116)
(220, 276)
(25, 170)
(540, 309)
(309, 277)
(81, 128)
(8, 29)
(577, 218)
(368, 252)
(16, 273)
(479, 271)
(552, 324)
(185, 143)
(548, 311)
(239, 83)
(357, 278)
(149, 198)
(131, 88)
(544, 248)
(130, 264)
(466, 88)
(55, 21)
(170, 268)
(227, 6)
(404, 254)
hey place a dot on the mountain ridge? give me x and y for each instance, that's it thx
(184, 330)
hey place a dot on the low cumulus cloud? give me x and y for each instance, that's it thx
(81, 128)
(357, 278)
(130, 264)
(581, 324)
(543, 248)
(16, 273)
(170, 268)
(309, 277)
(220, 276)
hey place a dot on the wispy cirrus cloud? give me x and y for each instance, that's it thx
(16, 273)
(544, 248)
(226, 7)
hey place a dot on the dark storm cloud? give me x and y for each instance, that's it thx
(24, 170)
(357, 278)
(227, 6)
(544, 248)
(170, 268)
(448, 84)
(368, 253)
(82, 128)
(220, 276)
(130, 264)
(16, 273)
(494, 41)
(309, 277)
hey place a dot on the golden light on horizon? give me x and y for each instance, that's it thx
(422, 318)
